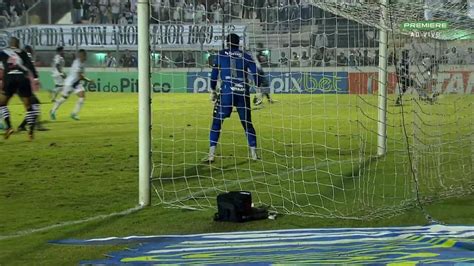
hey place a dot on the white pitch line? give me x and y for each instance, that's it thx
(90, 219)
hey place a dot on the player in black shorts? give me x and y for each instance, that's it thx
(264, 89)
(403, 75)
(34, 100)
(17, 66)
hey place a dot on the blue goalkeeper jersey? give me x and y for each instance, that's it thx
(233, 66)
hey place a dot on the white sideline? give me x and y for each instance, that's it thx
(69, 223)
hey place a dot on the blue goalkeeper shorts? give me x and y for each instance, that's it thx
(227, 101)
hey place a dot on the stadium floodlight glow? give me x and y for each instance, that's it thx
(100, 56)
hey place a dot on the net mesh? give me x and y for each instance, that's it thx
(318, 143)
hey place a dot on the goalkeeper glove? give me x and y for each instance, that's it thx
(213, 96)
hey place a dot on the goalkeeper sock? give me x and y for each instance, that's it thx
(253, 153)
(212, 151)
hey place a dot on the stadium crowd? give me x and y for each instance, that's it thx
(274, 14)
(104, 11)
(12, 10)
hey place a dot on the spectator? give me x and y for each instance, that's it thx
(110, 60)
(4, 11)
(295, 60)
(271, 16)
(283, 15)
(305, 12)
(179, 61)
(200, 15)
(211, 58)
(235, 8)
(376, 58)
(295, 15)
(320, 41)
(391, 59)
(317, 59)
(352, 59)
(177, 12)
(156, 12)
(216, 12)
(123, 19)
(261, 8)
(444, 57)
(366, 60)
(247, 12)
(115, 10)
(283, 60)
(190, 61)
(455, 58)
(188, 11)
(164, 61)
(321, 58)
(76, 11)
(103, 11)
(14, 19)
(164, 11)
(226, 10)
(86, 10)
(128, 60)
(341, 59)
(3, 22)
(20, 6)
(129, 17)
(94, 14)
(305, 60)
(331, 56)
(470, 56)
(133, 5)
(263, 60)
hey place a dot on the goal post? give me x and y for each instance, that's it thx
(382, 77)
(144, 103)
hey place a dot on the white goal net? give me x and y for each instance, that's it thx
(317, 132)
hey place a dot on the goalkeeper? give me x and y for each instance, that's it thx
(232, 66)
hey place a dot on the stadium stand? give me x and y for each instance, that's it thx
(324, 39)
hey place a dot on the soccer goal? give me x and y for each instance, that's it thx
(368, 110)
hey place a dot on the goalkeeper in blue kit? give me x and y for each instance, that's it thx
(232, 66)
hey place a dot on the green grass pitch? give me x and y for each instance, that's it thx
(316, 153)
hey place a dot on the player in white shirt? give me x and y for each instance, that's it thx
(73, 83)
(58, 73)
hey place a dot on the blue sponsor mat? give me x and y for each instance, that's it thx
(436, 244)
